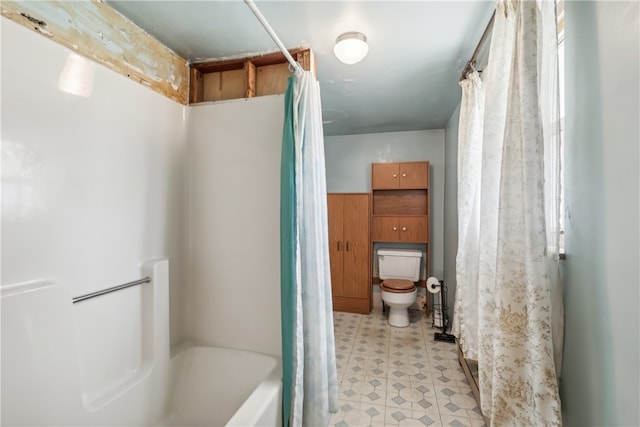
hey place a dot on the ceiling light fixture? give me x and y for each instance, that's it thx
(351, 47)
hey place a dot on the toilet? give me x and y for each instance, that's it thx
(399, 270)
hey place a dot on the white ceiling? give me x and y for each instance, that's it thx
(408, 81)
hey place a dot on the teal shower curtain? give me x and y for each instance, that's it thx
(287, 249)
(310, 390)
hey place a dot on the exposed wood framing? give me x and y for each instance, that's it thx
(250, 79)
(100, 33)
(245, 77)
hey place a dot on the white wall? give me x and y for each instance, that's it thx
(600, 383)
(348, 162)
(91, 186)
(234, 216)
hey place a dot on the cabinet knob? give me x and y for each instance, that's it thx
(395, 228)
(395, 175)
(404, 175)
(404, 228)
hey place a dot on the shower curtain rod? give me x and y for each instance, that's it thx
(273, 35)
(472, 62)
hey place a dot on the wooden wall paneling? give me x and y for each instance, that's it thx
(272, 79)
(222, 85)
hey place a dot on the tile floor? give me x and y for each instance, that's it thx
(398, 376)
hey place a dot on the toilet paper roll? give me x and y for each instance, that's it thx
(433, 285)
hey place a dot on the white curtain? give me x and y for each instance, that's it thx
(465, 319)
(519, 306)
(315, 387)
(550, 117)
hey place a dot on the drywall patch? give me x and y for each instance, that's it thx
(98, 32)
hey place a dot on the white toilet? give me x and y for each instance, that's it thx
(399, 270)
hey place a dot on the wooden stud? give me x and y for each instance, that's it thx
(307, 59)
(195, 86)
(250, 79)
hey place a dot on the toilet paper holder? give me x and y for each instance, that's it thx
(440, 316)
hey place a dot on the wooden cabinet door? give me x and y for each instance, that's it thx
(355, 233)
(400, 229)
(413, 229)
(335, 207)
(385, 176)
(414, 175)
(385, 229)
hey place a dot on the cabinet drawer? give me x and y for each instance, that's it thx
(400, 229)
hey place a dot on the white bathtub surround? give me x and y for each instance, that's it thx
(234, 220)
(307, 317)
(517, 290)
(91, 185)
(103, 361)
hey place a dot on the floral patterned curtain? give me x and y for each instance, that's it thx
(465, 319)
(517, 285)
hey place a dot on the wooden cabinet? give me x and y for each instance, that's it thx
(400, 229)
(400, 204)
(350, 251)
(408, 175)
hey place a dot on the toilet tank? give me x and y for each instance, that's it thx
(399, 264)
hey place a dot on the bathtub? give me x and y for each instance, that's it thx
(106, 362)
(216, 386)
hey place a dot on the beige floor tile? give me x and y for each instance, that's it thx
(451, 420)
(398, 376)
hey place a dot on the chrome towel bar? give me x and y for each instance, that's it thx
(112, 289)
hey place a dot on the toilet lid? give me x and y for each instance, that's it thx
(398, 285)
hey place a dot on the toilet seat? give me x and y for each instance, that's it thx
(398, 286)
